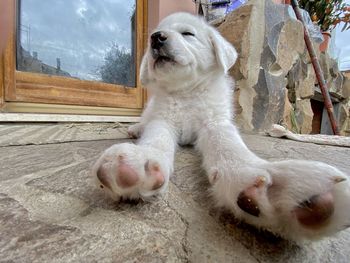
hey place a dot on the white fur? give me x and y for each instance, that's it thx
(192, 103)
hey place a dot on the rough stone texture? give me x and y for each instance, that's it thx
(305, 86)
(304, 115)
(345, 110)
(346, 87)
(242, 38)
(344, 97)
(339, 88)
(289, 114)
(266, 55)
(42, 133)
(273, 60)
(344, 118)
(334, 78)
(51, 212)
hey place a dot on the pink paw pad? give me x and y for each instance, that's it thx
(316, 211)
(126, 176)
(157, 178)
(213, 177)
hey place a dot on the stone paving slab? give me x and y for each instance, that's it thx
(45, 133)
(51, 212)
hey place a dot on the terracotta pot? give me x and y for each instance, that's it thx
(325, 43)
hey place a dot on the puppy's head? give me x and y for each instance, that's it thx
(184, 48)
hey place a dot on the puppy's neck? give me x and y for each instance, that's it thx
(196, 85)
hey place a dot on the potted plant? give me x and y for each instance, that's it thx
(327, 14)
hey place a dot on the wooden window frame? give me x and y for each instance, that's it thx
(25, 87)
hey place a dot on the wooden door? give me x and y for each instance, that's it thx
(31, 74)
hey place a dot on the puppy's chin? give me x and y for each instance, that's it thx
(163, 61)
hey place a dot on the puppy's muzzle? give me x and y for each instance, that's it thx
(159, 49)
(158, 39)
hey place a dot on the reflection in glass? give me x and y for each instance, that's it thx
(83, 39)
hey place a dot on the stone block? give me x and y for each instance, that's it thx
(325, 65)
(288, 113)
(344, 114)
(304, 115)
(240, 29)
(236, 29)
(334, 78)
(290, 44)
(268, 104)
(305, 88)
(346, 88)
(335, 86)
(344, 118)
(333, 69)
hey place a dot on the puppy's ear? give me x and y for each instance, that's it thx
(225, 53)
(144, 75)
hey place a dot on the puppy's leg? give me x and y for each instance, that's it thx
(294, 199)
(138, 171)
(136, 130)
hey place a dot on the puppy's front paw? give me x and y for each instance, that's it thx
(294, 199)
(131, 171)
(134, 131)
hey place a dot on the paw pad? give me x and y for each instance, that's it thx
(247, 204)
(316, 211)
(126, 176)
(153, 171)
(247, 199)
(213, 177)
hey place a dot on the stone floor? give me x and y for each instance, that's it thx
(50, 211)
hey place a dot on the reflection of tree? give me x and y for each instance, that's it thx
(118, 67)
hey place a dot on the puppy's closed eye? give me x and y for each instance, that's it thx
(187, 33)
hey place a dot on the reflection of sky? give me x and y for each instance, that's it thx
(342, 42)
(79, 32)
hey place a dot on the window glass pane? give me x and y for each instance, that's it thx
(83, 39)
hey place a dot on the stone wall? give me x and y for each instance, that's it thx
(275, 81)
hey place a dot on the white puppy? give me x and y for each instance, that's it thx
(185, 67)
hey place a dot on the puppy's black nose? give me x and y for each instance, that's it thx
(158, 39)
